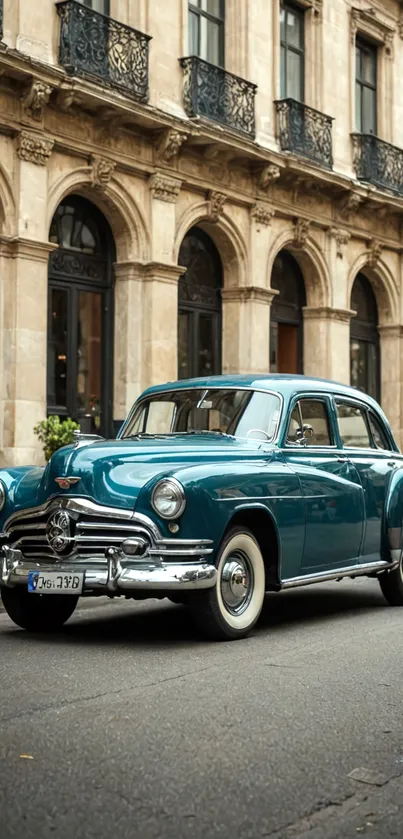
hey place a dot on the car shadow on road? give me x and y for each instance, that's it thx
(161, 624)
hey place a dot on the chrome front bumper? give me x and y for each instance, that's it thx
(114, 573)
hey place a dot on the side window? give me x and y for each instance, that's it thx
(315, 423)
(353, 428)
(378, 434)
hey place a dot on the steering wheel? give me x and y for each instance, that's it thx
(259, 431)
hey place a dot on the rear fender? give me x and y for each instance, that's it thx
(394, 516)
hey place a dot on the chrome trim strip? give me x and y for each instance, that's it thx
(353, 571)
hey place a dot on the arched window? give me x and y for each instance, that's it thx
(364, 338)
(286, 326)
(199, 306)
(80, 316)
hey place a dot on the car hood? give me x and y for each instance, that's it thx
(114, 472)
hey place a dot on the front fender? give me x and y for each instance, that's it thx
(394, 514)
(22, 483)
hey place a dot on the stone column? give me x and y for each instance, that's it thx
(160, 278)
(246, 329)
(327, 343)
(391, 391)
(24, 327)
(25, 304)
(128, 355)
(160, 323)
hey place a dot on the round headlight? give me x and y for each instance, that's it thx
(3, 495)
(168, 498)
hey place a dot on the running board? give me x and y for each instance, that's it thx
(353, 571)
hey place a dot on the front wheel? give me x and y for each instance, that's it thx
(37, 612)
(391, 583)
(230, 609)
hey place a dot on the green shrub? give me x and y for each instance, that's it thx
(55, 434)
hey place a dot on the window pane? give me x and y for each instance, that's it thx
(205, 350)
(294, 428)
(358, 365)
(260, 417)
(314, 413)
(358, 107)
(294, 29)
(89, 350)
(369, 110)
(358, 63)
(282, 24)
(213, 7)
(283, 79)
(193, 34)
(380, 438)
(372, 370)
(159, 417)
(352, 426)
(294, 81)
(183, 345)
(98, 5)
(210, 41)
(57, 349)
(368, 65)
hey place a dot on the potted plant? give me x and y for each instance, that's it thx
(54, 433)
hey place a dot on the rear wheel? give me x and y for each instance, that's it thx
(391, 583)
(230, 609)
(37, 612)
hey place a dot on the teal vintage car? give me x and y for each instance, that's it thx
(215, 491)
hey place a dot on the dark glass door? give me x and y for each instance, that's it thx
(80, 317)
(286, 327)
(199, 315)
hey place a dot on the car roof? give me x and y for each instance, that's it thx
(284, 384)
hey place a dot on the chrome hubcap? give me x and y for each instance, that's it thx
(236, 582)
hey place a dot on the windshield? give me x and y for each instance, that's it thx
(241, 413)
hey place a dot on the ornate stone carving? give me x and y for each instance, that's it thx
(301, 231)
(102, 171)
(169, 144)
(268, 175)
(67, 96)
(317, 8)
(342, 238)
(34, 148)
(216, 202)
(389, 41)
(165, 188)
(349, 205)
(375, 252)
(262, 214)
(36, 98)
(400, 24)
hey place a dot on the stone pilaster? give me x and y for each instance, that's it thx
(327, 342)
(391, 390)
(24, 338)
(246, 329)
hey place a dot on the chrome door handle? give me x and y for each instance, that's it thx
(342, 459)
(391, 463)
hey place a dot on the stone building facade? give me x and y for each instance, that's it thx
(195, 187)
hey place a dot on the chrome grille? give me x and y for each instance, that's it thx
(90, 535)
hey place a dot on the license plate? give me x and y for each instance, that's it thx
(52, 582)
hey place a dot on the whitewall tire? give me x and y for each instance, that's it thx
(230, 609)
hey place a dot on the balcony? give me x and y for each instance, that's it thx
(305, 131)
(378, 162)
(209, 91)
(96, 47)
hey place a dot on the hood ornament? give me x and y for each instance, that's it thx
(66, 483)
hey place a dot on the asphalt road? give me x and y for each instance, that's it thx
(133, 727)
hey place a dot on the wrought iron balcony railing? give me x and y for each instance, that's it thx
(94, 45)
(378, 162)
(209, 91)
(305, 131)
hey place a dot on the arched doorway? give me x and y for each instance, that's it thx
(80, 316)
(199, 306)
(364, 339)
(286, 325)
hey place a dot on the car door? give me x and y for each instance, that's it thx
(367, 444)
(333, 494)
